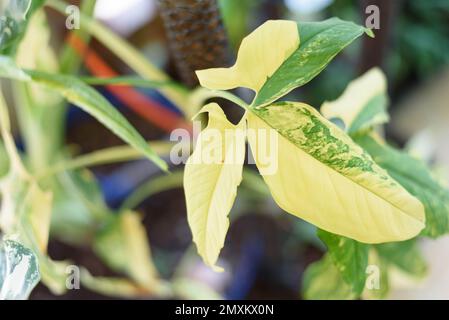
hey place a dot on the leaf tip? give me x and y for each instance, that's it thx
(370, 33)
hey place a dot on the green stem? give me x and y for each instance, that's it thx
(206, 94)
(129, 81)
(105, 156)
(151, 187)
(231, 97)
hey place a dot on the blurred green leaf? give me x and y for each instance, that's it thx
(131, 81)
(29, 209)
(78, 207)
(26, 209)
(362, 105)
(323, 281)
(8, 69)
(405, 255)
(191, 289)
(377, 279)
(123, 244)
(82, 95)
(350, 258)
(4, 160)
(236, 15)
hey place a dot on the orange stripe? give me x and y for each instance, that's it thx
(154, 112)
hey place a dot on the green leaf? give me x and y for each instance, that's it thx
(82, 95)
(123, 245)
(8, 69)
(414, 176)
(323, 281)
(26, 209)
(13, 22)
(32, 209)
(405, 255)
(78, 207)
(349, 256)
(4, 160)
(374, 113)
(377, 278)
(131, 81)
(126, 52)
(362, 105)
(19, 271)
(320, 175)
(194, 289)
(320, 43)
(281, 55)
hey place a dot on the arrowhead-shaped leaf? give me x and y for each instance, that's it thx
(323, 281)
(414, 176)
(325, 178)
(362, 105)
(123, 244)
(281, 55)
(211, 177)
(350, 257)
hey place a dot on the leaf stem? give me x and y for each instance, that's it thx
(105, 156)
(225, 95)
(151, 187)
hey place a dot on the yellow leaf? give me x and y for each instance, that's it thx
(261, 53)
(324, 178)
(212, 175)
(38, 205)
(123, 244)
(355, 101)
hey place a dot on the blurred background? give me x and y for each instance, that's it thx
(266, 251)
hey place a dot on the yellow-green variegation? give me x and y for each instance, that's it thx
(325, 178)
(320, 174)
(281, 55)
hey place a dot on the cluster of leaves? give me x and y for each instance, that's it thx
(42, 189)
(368, 200)
(361, 110)
(333, 170)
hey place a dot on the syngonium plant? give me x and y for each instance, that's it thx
(323, 176)
(368, 199)
(344, 179)
(352, 269)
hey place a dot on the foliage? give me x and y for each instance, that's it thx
(369, 200)
(321, 176)
(333, 169)
(45, 191)
(410, 172)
